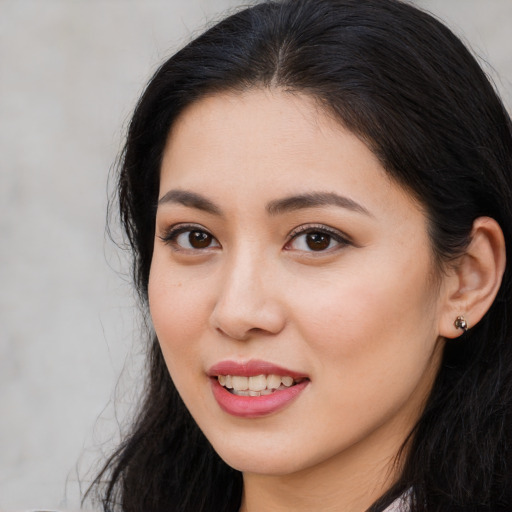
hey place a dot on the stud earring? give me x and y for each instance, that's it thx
(461, 323)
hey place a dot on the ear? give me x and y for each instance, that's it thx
(470, 287)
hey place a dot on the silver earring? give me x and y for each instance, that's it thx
(461, 323)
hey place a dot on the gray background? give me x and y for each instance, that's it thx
(70, 72)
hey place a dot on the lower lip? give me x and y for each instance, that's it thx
(255, 406)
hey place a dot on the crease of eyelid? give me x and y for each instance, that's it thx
(275, 207)
(341, 237)
(176, 247)
(341, 241)
(319, 228)
(169, 236)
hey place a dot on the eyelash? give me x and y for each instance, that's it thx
(339, 237)
(171, 235)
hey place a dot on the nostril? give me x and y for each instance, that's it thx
(241, 319)
(231, 334)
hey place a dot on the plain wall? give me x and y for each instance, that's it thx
(70, 72)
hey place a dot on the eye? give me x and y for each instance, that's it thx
(316, 239)
(194, 240)
(190, 238)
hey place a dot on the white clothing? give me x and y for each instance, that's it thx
(401, 504)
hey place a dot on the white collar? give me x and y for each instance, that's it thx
(401, 504)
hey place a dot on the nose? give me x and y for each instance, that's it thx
(247, 303)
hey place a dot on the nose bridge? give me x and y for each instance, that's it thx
(244, 267)
(246, 300)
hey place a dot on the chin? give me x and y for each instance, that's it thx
(262, 465)
(271, 457)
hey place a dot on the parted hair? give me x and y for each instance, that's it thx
(412, 92)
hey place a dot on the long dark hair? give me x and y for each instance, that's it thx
(403, 83)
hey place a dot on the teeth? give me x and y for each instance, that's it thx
(287, 381)
(256, 385)
(241, 392)
(273, 381)
(240, 383)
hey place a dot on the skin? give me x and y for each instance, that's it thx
(360, 318)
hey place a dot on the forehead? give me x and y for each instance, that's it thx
(237, 125)
(275, 142)
(263, 133)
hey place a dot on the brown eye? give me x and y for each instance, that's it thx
(199, 239)
(190, 239)
(318, 241)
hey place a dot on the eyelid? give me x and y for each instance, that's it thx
(170, 234)
(336, 234)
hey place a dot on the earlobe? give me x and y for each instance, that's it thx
(461, 323)
(474, 282)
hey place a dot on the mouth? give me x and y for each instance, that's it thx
(254, 389)
(257, 385)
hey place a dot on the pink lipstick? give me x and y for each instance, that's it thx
(255, 388)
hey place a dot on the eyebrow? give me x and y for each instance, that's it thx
(314, 200)
(190, 199)
(276, 207)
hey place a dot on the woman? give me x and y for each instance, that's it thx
(317, 195)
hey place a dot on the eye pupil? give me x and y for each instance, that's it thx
(318, 241)
(199, 239)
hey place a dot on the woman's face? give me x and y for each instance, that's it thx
(285, 253)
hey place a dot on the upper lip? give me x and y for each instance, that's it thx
(252, 368)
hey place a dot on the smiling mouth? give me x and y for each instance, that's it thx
(258, 385)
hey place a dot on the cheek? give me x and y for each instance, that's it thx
(372, 348)
(177, 313)
(361, 319)
(178, 317)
